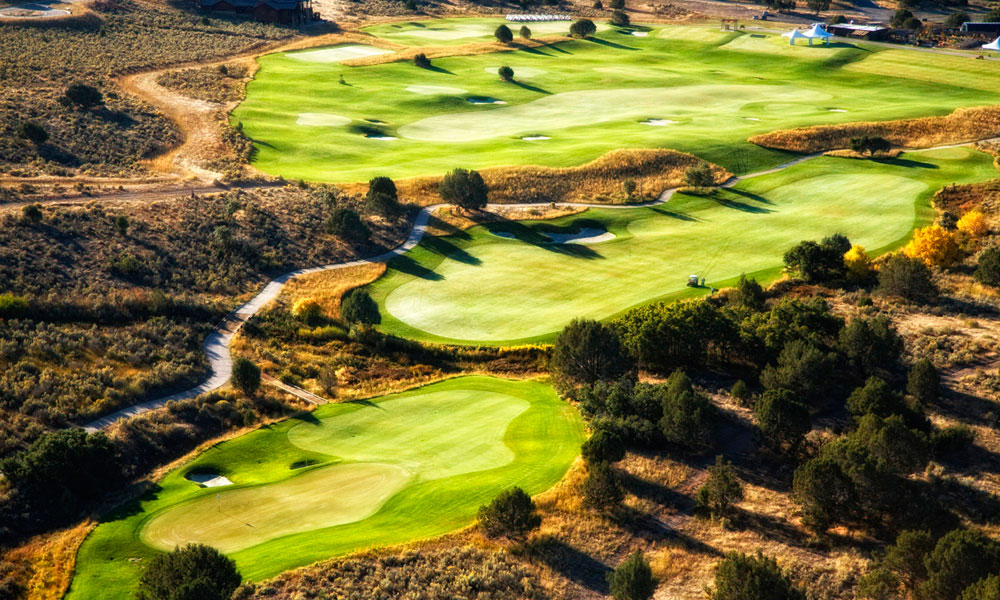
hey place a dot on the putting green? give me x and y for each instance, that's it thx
(482, 288)
(461, 31)
(590, 96)
(335, 54)
(350, 476)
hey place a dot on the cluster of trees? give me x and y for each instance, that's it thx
(960, 565)
(465, 189)
(870, 144)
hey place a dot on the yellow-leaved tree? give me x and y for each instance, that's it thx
(859, 266)
(973, 223)
(934, 245)
(306, 309)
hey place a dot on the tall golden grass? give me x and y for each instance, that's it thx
(963, 125)
(328, 287)
(599, 181)
(50, 560)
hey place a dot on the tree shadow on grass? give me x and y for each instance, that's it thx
(528, 235)
(603, 42)
(532, 50)
(905, 163)
(556, 48)
(572, 563)
(306, 417)
(451, 230)
(367, 403)
(405, 264)
(749, 195)
(441, 246)
(530, 88)
(742, 206)
(437, 69)
(140, 492)
(673, 214)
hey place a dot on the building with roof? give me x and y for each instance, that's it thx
(868, 32)
(983, 27)
(288, 12)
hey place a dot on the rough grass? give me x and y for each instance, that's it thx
(220, 84)
(963, 125)
(328, 287)
(48, 561)
(436, 432)
(744, 229)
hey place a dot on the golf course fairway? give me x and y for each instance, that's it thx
(688, 88)
(479, 287)
(346, 477)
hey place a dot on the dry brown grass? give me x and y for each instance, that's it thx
(963, 125)
(328, 287)
(50, 559)
(449, 219)
(599, 181)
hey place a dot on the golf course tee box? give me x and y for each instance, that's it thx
(346, 477)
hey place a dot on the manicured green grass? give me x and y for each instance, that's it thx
(443, 32)
(589, 96)
(395, 469)
(476, 287)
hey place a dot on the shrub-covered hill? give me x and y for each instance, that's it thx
(39, 61)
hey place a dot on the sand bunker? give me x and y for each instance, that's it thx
(519, 72)
(837, 110)
(337, 53)
(587, 235)
(434, 90)
(484, 100)
(658, 122)
(751, 118)
(384, 138)
(534, 138)
(321, 120)
(208, 479)
(640, 33)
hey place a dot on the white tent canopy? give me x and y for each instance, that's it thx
(816, 32)
(793, 35)
(994, 45)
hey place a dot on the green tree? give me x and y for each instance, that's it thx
(511, 514)
(875, 397)
(801, 368)
(346, 224)
(819, 262)
(632, 579)
(870, 144)
(818, 5)
(358, 307)
(32, 213)
(506, 73)
(525, 33)
(956, 19)
(666, 335)
(384, 206)
(905, 559)
(33, 132)
(923, 382)
(984, 589)
(747, 577)
(826, 493)
(465, 189)
(686, 413)
(616, 4)
(891, 444)
(959, 559)
(782, 420)
(582, 28)
(422, 61)
(82, 96)
(721, 490)
(193, 572)
(246, 376)
(604, 445)
(699, 176)
(619, 18)
(871, 344)
(121, 224)
(384, 186)
(740, 392)
(503, 34)
(748, 294)
(586, 351)
(900, 17)
(913, 23)
(602, 489)
(907, 278)
(988, 267)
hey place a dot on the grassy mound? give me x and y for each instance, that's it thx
(404, 467)
(589, 96)
(525, 290)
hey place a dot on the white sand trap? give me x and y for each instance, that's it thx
(434, 90)
(321, 120)
(587, 235)
(481, 100)
(658, 122)
(384, 138)
(519, 71)
(751, 118)
(640, 33)
(337, 53)
(837, 110)
(208, 479)
(535, 138)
